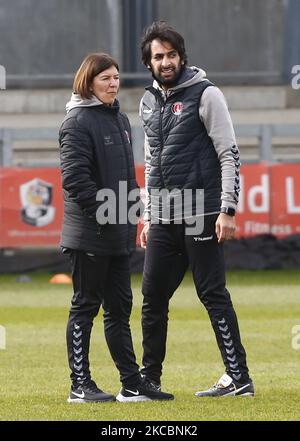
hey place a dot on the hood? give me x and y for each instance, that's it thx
(77, 101)
(189, 76)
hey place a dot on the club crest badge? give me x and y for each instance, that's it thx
(36, 198)
(177, 108)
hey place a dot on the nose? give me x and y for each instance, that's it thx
(113, 82)
(165, 61)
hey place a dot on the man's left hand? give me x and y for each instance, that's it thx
(225, 227)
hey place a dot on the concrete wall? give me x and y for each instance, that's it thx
(43, 42)
(237, 41)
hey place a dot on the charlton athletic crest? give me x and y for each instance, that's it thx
(177, 108)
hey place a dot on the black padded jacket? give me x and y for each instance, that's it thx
(95, 153)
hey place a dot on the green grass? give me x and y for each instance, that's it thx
(34, 376)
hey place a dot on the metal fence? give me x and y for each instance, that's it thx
(264, 133)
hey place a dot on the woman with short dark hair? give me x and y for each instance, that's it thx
(96, 159)
(96, 153)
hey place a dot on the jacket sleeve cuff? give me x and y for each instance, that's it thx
(226, 204)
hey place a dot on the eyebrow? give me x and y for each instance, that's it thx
(108, 76)
(173, 51)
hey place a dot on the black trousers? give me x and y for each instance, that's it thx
(169, 252)
(101, 280)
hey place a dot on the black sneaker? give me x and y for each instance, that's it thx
(154, 383)
(89, 393)
(226, 386)
(145, 391)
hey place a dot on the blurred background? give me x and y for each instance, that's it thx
(250, 49)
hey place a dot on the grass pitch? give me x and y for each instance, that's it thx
(34, 376)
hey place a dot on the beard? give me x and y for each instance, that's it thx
(168, 81)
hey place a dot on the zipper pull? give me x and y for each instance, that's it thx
(162, 109)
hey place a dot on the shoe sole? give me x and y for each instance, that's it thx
(81, 400)
(136, 399)
(246, 394)
(139, 398)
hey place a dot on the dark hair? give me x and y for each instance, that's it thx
(91, 66)
(160, 30)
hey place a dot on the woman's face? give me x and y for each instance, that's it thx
(106, 84)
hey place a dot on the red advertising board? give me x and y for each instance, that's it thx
(285, 188)
(254, 201)
(31, 205)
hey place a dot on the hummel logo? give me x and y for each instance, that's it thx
(81, 395)
(201, 239)
(133, 392)
(108, 140)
